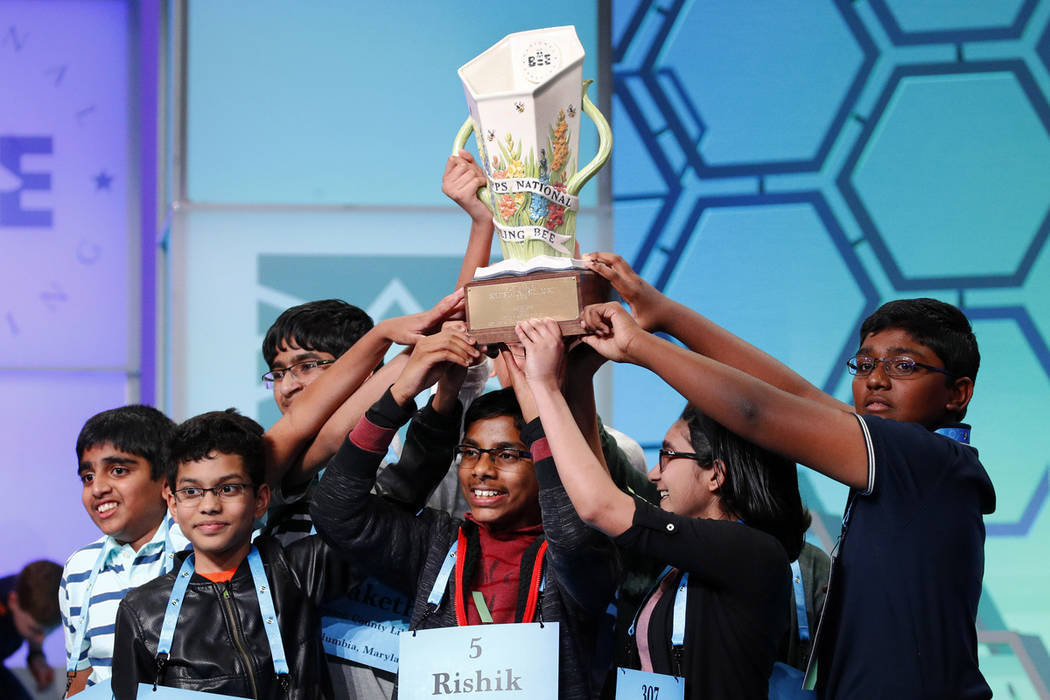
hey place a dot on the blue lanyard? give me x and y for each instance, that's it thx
(960, 432)
(800, 601)
(681, 598)
(100, 562)
(262, 592)
(437, 593)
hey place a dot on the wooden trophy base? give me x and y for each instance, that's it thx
(494, 306)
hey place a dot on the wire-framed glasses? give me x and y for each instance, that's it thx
(897, 366)
(300, 370)
(226, 492)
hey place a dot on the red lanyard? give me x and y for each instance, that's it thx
(534, 583)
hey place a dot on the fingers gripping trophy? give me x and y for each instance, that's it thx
(527, 98)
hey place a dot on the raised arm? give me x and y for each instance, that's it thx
(595, 497)
(655, 312)
(811, 432)
(366, 527)
(288, 439)
(431, 437)
(460, 181)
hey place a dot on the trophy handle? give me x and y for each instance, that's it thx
(461, 143)
(577, 181)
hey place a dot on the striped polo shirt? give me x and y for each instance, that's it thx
(123, 569)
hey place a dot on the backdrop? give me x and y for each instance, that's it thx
(783, 167)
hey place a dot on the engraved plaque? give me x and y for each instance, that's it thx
(504, 304)
(495, 306)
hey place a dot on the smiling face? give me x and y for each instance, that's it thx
(119, 494)
(286, 390)
(686, 487)
(506, 498)
(927, 397)
(219, 527)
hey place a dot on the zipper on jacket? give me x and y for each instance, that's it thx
(227, 603)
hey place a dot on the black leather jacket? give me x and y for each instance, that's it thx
(219, 644)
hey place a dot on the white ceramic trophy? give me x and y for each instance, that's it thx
(526, 97)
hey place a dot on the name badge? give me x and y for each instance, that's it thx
(100, 691)
(480, 662)
(365, 626)
(641, 685)
(146, 692)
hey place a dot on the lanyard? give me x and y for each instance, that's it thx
(454, 562)
(960, 432)
(681, 598)
(100, 562)
(800, 601)
(262, 592)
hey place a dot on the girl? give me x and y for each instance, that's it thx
(730, 520)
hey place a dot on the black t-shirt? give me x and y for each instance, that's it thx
(10, 639)
(899, 620)
(738, 607)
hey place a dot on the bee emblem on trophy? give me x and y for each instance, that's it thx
(572, 111)
(520, 106)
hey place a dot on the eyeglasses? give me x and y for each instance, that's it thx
(501, 457)
(667, 455)
(300, 370)
(897, 367)
(226, 492)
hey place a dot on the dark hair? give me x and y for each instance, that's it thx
(138, 430)
(492, 405)
(227, 432)
(37, 590)
(759, 487)
(939, 326)
(328, 325)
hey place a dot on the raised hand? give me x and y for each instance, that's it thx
(431, 357)
(460, 182)
(613, 330)
(513, 357)
(544, 361)
(648, 305)
(410, 329)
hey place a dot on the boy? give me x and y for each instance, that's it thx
(320, 356)
(245, 606)
(28, 610)
(335, 343)
(299, 347)
(122, 456)
(517, 507)
(899, 619)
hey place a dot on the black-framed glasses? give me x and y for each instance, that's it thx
(300, 370)
(503, 457)
(667, 455)
(897, 366)
(226, 492)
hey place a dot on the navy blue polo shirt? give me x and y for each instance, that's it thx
(899, 621)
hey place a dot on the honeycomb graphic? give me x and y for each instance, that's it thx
(785, 169)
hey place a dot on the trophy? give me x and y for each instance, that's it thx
(526, 97)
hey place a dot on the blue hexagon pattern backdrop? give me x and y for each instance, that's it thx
(786, 167)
